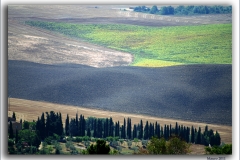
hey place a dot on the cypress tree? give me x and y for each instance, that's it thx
(76, 119)
(206, 131)
(88, 132)
(161, 132)
(16, 137)
(117, 129)
(176, 129)
(122, 132)
(170, 130)
(199, 136)
(141, 130)
(99, 130)
(80, 126)
(165, 132)
(83, 126)
(14, 116)
(129, 129)
(188, 137)
(134, 131)
(95, 128)
(181, 132)
(61, 124)
(47, 125)
(158, 131)
(111, 127)
(195, 132)
(106, 128)
(146, 135)
(192, 135)
(67, 126)
(124, 129)
(217, 139)
(152, 130)
(42, 128)
(11, 130)
(156, 127)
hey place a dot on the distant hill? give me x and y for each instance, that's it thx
(189, 92)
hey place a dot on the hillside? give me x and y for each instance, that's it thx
(194, 92)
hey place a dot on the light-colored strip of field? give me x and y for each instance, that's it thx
(30, 110)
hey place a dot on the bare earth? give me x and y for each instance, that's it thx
(31, 110)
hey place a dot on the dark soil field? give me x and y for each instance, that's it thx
(193, 92)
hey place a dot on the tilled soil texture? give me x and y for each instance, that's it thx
(200, 93)
(31, 110)
(37, 45)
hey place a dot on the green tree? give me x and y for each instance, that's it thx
(134, 131)
(140, 136)
(88, 132)
(192, 135)
(124, 129)
(67, 126)
(16, 137)
(95, 128)
(157, 146)
(111, 124)
(11, 149)
(25, 125)
(217, 139)
(146, 131)
(10, 130)
(99, 148)
(199, 136)
(153, 10)
(176, 129)
(13, 115)
(177, 146)
(30, 137)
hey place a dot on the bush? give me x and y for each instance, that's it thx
(177, 146)
(79, 139)
(224, 149)
(49, 140)
(99, 148)
(157, 146)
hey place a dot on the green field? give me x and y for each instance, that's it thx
(155, 46)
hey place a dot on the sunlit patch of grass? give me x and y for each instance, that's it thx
(144, 62)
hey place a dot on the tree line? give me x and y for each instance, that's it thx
(185, 10)
(49, 127)
(105, 127)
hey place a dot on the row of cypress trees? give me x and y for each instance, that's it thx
(105, 127)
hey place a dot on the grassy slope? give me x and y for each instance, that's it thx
(155, 47)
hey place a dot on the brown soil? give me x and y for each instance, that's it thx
(31, 110)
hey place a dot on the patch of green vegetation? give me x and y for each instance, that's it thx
(155, 47)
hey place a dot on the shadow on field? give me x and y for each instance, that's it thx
(193, 92)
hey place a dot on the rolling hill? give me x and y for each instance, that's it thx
(200, 93)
